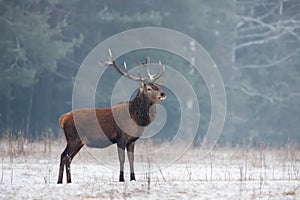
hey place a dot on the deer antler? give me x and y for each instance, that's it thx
(123, 73)
(161, 71)
(152, 77)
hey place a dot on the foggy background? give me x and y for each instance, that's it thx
(255, 44)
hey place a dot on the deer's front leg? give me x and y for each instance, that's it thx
(130, 154)
(121, 153)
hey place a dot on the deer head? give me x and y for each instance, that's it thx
(148, 87)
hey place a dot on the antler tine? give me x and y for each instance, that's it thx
(110, 55)
(109, 62)
(148, 73)
(161, 71)
(140, 75)
(125, 66)
(147, 61)
(125, 72)
(145, 65)
(152, 77)
(116, 66)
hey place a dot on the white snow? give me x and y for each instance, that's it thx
(224, 174)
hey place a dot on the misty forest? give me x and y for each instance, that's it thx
(255, 45)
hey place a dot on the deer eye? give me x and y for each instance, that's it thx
(149, 89)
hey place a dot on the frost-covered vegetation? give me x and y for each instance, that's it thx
(29, 171)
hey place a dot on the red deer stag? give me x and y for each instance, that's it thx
(123, 123)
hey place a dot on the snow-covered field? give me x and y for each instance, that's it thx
(31, 173)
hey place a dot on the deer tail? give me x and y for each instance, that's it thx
(63, 118)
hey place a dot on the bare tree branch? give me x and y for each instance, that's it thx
(255, 35)
(258, 21)
(272, 64)
(262, 41)
(251, 92)
(6, 20)
(17, 50)
(271, 12)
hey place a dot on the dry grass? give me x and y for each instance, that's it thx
(225, 172)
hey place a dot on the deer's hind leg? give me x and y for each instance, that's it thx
(73, 151)
(63, 162)
(67, 155)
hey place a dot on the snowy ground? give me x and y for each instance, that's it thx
(31, 173)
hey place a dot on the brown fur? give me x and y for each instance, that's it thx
(123, 124)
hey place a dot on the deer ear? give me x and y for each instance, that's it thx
(142, 87)
(160, 83)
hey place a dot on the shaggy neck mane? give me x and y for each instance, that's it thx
(139, 109)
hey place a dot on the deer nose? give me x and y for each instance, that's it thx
(162, 94)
